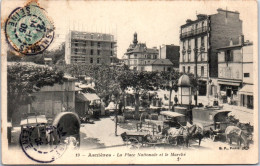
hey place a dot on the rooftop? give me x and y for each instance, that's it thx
(141, 47)
(184, 81)
(160, 62)
(201, 17)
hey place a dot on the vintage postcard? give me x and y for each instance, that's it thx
(129, 82)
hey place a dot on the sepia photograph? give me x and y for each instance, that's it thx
(129, 82)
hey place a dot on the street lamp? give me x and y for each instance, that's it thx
(196, 73)
(196, 51)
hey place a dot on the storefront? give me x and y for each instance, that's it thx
(229, 90)
(246, 96)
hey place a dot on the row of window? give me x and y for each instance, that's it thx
(92, 36)
(202, 41)
(91, 60)
(84, 44)
(188, 70)
(148, 56)
(194, 26)
(188, 58)
(84, 51)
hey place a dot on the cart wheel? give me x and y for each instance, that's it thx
(133, 143)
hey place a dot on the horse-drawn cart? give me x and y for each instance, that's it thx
(156, 132)
(213, 119)
(144, 139)
(65, 127)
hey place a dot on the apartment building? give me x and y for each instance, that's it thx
(172, 53)
(90, 48)
(138, 55)
(199, 40)
(235, 74)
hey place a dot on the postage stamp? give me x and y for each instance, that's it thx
(29, 30)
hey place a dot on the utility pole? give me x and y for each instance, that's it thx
(171, 86)
(196, 72)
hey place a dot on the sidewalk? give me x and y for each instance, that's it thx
(204, 101)
(244, 114)
(104, 131)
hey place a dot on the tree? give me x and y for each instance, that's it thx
(13, 56)
(169, 81)
(140, 81)
(23, 80)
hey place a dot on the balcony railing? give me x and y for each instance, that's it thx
(194, 32)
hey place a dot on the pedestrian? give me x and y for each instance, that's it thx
(176, 100)
(195, 97)
(228, 100)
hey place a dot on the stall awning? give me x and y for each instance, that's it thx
(80, 98)
(91, 96)
(229, 83)
(77, 89)
(246, 90)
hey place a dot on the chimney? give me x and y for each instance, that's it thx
(219, 9)
(241, 40)
(201, 16)
(230, 42)
(188, 21)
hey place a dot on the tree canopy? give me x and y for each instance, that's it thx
(23, 80)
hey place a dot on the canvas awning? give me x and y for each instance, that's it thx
(246, 90)
(229, 83)
(83, 86)
(77, 89)
(91, 96)
(80, 98)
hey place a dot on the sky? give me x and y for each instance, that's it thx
(156, 22)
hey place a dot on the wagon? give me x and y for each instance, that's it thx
(65, 126)
(135, 139)
(33, 127)
(173, 119)
(213, 120)
(155, 132)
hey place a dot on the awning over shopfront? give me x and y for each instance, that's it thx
(91, 96)
(80, 98)
(247, 90)
(83, 97)
(229, 83)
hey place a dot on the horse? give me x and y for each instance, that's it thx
(185, 133)
(175, 135)
(234, 132)
(198, 132)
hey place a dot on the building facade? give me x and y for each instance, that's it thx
(50, 101)
(246, 93)
(235, 72)
(172, 53)
(90, 48)
(199, 40)
(158, 65)
(138, 55)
